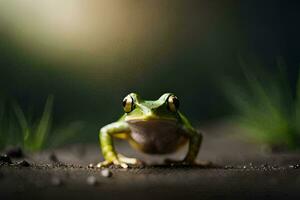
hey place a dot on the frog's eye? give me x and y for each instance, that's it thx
(173, 103)
(128, 104)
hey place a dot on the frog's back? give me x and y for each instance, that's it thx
(156, 136)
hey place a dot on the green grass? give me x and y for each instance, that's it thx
(32, 134)
(267, 109)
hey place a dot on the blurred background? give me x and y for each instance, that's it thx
(65, 66)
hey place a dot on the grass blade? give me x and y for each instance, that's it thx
(44, 124)
(21, 119)
(266, 108)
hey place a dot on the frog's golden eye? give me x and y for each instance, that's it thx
(173, 103)
(128, 104)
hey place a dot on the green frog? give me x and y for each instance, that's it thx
(153, 127)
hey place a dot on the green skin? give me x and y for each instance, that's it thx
(145, 118)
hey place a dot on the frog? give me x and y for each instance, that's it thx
(151, 126)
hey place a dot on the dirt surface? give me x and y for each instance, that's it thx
(241, 171)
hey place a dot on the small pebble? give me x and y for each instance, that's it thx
(91, 180)
(296, 166)
(5, 159)
(91, 165)
(53, 157)
(15, 152)
(244, 167)
(106, 173)
(252, 166)
(56, 181)
(23, 163)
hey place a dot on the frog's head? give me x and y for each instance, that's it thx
(164, 108)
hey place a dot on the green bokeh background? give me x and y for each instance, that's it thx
(185, 47)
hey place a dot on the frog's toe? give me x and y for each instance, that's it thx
(105, 163)
(115, 162)
(119, 163)
(130, 161)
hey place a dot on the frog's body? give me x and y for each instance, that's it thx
(144, 135)
(154, 127)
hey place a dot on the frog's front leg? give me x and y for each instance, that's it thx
(195, 140)
(107, 147)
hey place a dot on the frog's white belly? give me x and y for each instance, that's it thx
(156, 136)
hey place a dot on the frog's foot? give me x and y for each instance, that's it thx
(121, 161)
(115, 162)
(202, 164)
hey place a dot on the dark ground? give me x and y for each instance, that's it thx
(243, 172)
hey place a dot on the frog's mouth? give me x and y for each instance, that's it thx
(156, 136)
